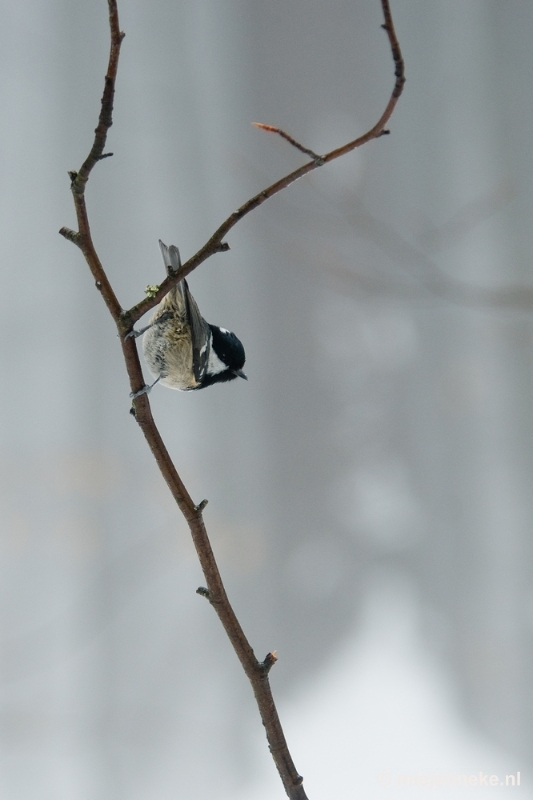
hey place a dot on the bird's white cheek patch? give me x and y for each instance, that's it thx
(215, 365)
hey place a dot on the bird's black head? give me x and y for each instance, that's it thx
(227, 358)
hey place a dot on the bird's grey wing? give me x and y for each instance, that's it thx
(199, 328)
(171, 257)
(200, 334)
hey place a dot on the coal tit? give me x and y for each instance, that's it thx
(182, 350)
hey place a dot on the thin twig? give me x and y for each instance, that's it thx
(256, 671)
(289, 138)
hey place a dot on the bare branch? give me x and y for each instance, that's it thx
(256, 671)
(79, 179)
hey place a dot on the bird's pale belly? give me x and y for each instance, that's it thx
(168, 354)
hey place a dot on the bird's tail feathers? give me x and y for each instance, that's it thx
(177, 296)
(171, 257)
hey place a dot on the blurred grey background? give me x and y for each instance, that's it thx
(370, 486)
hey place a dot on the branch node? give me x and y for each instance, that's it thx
(104, 155)
(98, 285)
(72, 175)
(200, 507)
(72, 236)
(384, 132)
(223, 247)
(204, 592)
(266, 665)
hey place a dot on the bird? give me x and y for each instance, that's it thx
(182, 350)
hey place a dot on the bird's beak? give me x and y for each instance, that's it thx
(241, 374)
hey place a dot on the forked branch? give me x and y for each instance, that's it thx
(213, 245)
(256, 671)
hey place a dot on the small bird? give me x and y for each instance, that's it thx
(182, 350)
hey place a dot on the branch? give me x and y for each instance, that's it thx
(215, 243)
(79, 179)
(256, 671)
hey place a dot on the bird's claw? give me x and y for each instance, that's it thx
(134, 334)
(144, 390)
